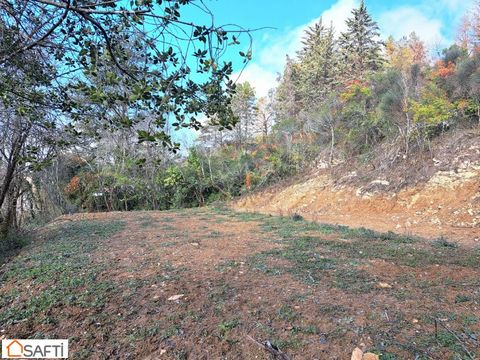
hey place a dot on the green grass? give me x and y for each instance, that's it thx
(312, 256)
(225, 326)
(66, 271)
(63, 268)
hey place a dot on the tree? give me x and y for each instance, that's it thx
(324, 118)
(30, 131)
(319, 64)
(406, 52)
(111, 64)
(84, 38)
(360, 45)
(468, 33)
(288, 99)
(466, 83)
(399, 86)
(243, 106)
(265, 115)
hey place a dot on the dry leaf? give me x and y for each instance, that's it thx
(176, 297)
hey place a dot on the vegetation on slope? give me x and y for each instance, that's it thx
(388, 106)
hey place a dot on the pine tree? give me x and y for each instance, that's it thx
(288, 100)
(243, 106)
(360, 44)
(319, 63)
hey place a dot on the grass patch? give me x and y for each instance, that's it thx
(63, 267)
(225, 326)
(443, 243)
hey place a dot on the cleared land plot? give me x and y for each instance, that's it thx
(316, 291)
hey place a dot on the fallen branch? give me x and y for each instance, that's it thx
(460, 341)
(272, 349)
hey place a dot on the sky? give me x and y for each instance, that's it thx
(435, 21)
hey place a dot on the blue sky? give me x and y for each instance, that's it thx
(434, 21)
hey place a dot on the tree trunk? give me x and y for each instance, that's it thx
(12, 161)
(11, 167)
(332, 145)
(9, 221)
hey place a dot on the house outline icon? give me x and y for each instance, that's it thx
(12, 352)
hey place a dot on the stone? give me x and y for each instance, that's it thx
(384, 285)
(357, 354)
(370, 356)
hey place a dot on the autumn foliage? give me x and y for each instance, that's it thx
(73, 186)
(443, 69)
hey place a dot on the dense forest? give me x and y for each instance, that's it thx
(102, 140)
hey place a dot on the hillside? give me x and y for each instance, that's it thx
(207, 283)
(432, 195)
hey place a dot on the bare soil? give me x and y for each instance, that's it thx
(430, 194)
(104, 281)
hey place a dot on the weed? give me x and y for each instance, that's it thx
(228, 325)
(443, 243)
(144, 333)
(297, 217)
(286, 313)
(63, 263)
(462, 298)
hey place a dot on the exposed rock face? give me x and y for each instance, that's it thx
(445, 204)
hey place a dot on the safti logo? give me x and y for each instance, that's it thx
(34, 349)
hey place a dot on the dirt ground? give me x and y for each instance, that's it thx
(202, 283)
(430, 194)
(448, 205)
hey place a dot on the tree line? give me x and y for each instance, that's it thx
(72, 72)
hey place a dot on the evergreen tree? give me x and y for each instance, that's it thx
(243, 106)
(288, 100)
(319, 64)
(360, 44)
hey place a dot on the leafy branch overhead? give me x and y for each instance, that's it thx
(148, 56)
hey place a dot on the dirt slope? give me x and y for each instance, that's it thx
(444, 199)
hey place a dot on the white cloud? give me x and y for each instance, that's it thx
(260, 78)
(403, 21)
(270, 60)
(338, 13)
(426, 18)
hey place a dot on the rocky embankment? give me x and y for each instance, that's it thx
(446, 204)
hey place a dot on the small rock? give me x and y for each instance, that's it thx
(383, 285)
(176, 297)
(415, 321)
(357, 354)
